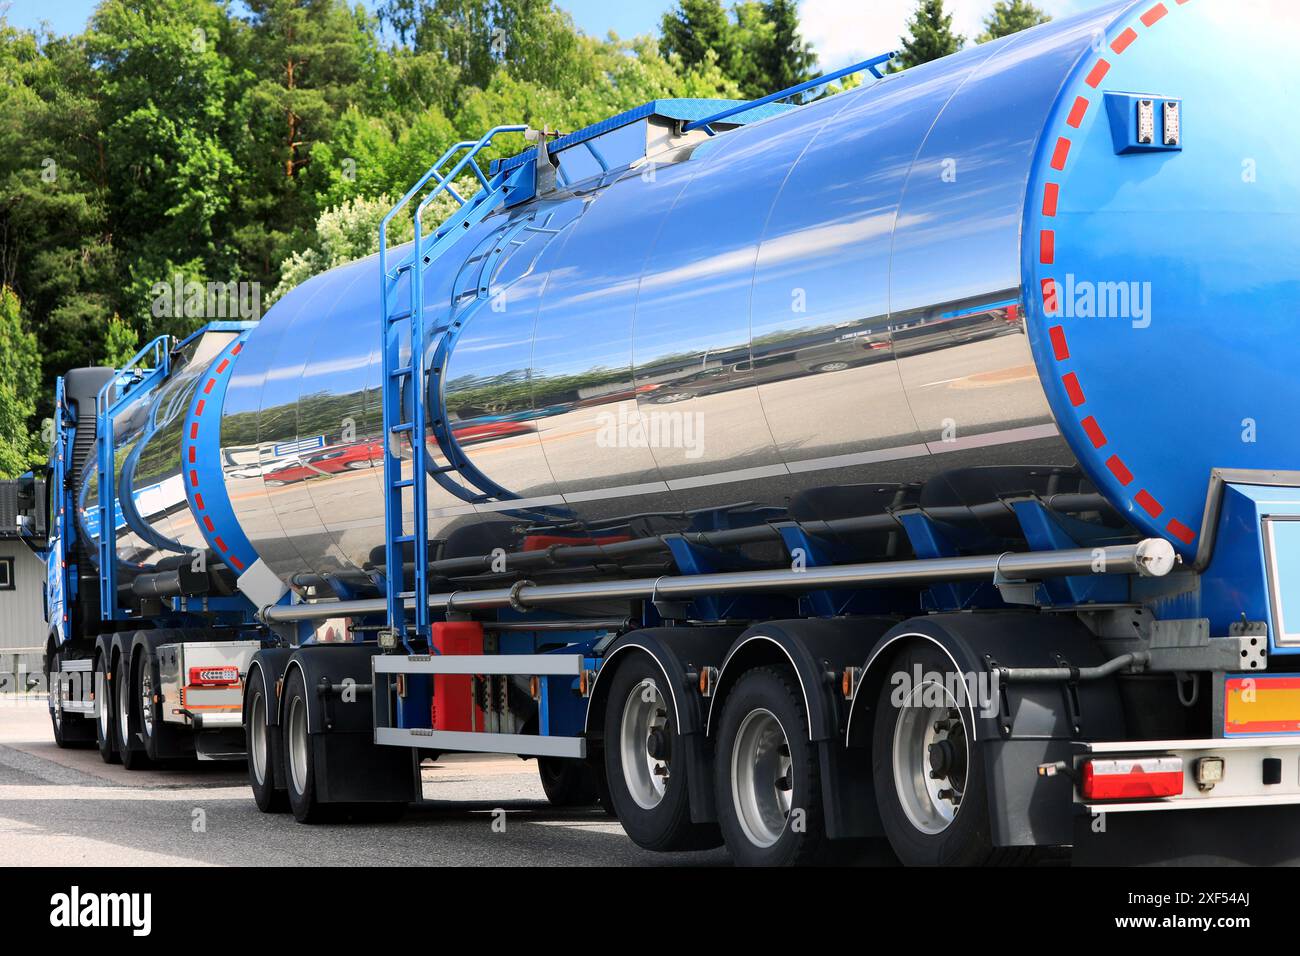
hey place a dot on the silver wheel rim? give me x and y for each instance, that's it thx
(298, 744)
(645, 720)
(123, 709)
(146, 701)
(257, 737)
(930, 785)
(761, 785)
(835, 366)
(101, 698)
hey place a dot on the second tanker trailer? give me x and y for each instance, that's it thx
(915, 463)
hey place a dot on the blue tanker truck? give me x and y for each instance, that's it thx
(916, 463)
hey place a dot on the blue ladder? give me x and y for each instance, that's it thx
(396, 374)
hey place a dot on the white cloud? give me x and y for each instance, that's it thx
(846, 31)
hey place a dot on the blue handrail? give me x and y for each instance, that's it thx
(873, 66)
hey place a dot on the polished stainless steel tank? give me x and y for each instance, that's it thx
(698, 340)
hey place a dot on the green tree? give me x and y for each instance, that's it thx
(759, 45)
(121, 342)
(19, 385)
(929, 35)
(1011, 16)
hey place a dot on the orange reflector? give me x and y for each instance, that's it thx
(535, 688)
(1128, 778)
(1260, 704)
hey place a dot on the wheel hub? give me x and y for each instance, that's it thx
(931, 755)
(762, 784)
(644, 743)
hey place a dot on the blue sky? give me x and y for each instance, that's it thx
(840, 30)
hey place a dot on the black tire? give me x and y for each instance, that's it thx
(568, 783)
(151, 727)
(59, 719)
(105, 729)
(764, 704)
(264, 770)
(299, 756)
(127, 715)
(665, 825)
(967, 839)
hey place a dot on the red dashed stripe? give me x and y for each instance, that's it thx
(1155, 14)
(192, 452)
(1049, 296)
(1124, 40)
(1073, 389)
(1051, 199)
(1152, 507)
(1047, 254)
(1062, 154)
(1095, 434)
(1078, 112)
(1120, 470)
(1059, 346)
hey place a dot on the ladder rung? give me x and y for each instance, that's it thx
(399, 316)
(398, 429)
(399, 372)
(404, 483)
(404, 538)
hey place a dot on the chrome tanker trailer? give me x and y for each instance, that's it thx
(913, 463)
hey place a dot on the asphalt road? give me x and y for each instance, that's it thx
(69, 807)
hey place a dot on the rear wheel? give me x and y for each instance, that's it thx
(644, 769)
(127, 719)
(767, 775)
(299, 760)
(928, 769)
(568, 783)
(105, 738)
(263, 772)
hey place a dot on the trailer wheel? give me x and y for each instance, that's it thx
(263, 771)
(133, 756)
(299, 760)
(104, 726)
(568, 783)
(647, 783)
(767, 777)
(928, 768)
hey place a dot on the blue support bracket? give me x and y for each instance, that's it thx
(937, 539)
(1045, 531)
(809, 551)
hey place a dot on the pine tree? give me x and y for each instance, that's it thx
(1011, 16)
(693, 28)
(930, 35)
(787, 59)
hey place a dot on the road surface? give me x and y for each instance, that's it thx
(68, 807)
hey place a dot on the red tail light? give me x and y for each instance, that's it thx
(213, 676)
(1127, 778)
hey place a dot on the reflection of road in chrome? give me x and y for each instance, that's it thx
(983, 386)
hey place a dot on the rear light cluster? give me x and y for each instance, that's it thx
(1130, 778)
(214, 676)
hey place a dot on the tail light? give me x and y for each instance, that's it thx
(1145, 778)
(214, 676)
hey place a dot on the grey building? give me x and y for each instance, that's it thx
(22, 613)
